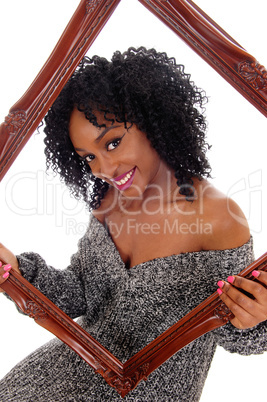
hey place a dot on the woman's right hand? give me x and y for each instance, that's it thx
(7, 260)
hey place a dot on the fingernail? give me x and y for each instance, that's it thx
(220, 284)
(256, 274)
(219, 291)
(6, 275)
(1, 264)
(231, 279)
(7, 267)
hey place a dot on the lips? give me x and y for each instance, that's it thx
(125, 180)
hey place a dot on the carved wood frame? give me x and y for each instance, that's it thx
(185, 18)
(124, 377)
(231, 61)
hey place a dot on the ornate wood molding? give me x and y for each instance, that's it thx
(83, 28)
(91, 5)
(34, 311)
(124, 377)
(184, 17)
(14, 121)
(233, 63)
(254, 74)
(215, 46)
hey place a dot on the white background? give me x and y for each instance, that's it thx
(36, 212)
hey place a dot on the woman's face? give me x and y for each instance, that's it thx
(121, 156)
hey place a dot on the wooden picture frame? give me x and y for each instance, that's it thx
(124, 377)
(186, 19)
(231, 61)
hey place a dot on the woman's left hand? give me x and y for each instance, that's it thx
(248, 312)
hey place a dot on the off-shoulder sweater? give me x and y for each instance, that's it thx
(125, 309)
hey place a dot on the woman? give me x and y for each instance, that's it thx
(128, 137)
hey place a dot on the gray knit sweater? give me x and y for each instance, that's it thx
(125, 309)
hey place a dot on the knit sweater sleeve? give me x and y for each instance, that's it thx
(87, 285)
(63, 287)
(244, 342)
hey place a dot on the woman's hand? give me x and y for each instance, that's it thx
(248, 311)
(7, 260)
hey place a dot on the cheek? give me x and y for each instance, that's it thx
(150, 159)
(147, 169)
(94, 169)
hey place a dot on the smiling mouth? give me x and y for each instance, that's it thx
(124, 181)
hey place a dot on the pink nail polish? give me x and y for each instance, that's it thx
(6, 275)
(219, 291)
(7, 267)
(231, 279)
(256, 274)
(1, 264)
(220, 284)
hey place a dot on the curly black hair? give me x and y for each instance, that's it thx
(141, 87)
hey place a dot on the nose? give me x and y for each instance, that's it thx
(105, 168)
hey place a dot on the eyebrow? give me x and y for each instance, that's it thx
(101, 135)
(104, 132)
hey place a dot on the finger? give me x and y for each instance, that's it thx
(7, 257)
(253, 288)
(248, 311)
(242, 318)
(235, 297)
(4, 272)
(261, 276)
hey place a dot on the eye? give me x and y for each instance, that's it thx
(113, 144)
(89, 158)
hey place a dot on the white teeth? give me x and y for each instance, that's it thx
(127, 177)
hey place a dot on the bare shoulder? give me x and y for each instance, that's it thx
(229, 226)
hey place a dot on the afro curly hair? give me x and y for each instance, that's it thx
(142, 87)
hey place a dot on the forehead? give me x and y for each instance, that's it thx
(79, 121)
(80, 127)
